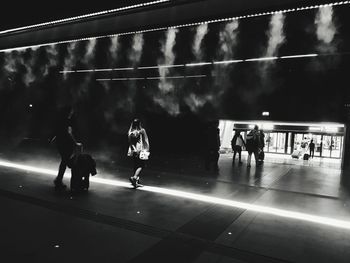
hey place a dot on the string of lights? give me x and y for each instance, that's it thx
(70, 19)
(228, 19)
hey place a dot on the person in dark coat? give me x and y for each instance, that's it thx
(312, 148)
(65, 141)
(212, 146)
(237, 143)
(252, 145)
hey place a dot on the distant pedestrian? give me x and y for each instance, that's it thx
(65, 142)
(138, 150)
(312, 148)
(212, 146)
(261, 153)
(252, 145)
(237, 144)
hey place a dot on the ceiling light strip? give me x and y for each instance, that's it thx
(183, 25)
(84, 16)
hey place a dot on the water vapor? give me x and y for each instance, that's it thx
(165, 97)
(325, 30)
(201, 31)
(135, 52)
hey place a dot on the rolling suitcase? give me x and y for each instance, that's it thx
(306, 157)
(296, 154)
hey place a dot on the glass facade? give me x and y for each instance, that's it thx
(281, 141)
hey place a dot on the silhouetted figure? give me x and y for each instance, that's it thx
(82, 165)
(65, 141)
(252, 145)
(212, 146)
(261, 153)
(237, 143)
(312, 148)
(138, 150)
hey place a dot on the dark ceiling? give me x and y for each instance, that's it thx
(171, 13)
(23, 13)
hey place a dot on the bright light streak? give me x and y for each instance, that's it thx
(331, 129)
(202, 198)
(65, 20)
(103, 69)
(260, 59)
(119, 69)
(228, 61)
(67, 71)
(84, 70)
(198, 64)
(161, 66)
(315, 128)
(300, 56)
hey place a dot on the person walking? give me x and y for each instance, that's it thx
(237, 143)
(65, 142)
(138, 150)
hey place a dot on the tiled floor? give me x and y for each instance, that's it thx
(114, 223)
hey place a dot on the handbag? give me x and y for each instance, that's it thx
(144, 154)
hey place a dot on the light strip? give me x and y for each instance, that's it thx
(103, 69)
(119, 69)
(300, 56)
(198, 64)
(184, 25)
(261, 59)
(84, 16)
(161, 66)
(84, 70)
(320, 124)
(228, 61)
(202, 198)
(67, 71)
(195, 64)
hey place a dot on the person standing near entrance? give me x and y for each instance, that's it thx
(312, 148)
(252, 145)
(237, 143)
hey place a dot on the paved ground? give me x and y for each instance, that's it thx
(114, 223)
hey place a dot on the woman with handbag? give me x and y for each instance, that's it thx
(138, 150)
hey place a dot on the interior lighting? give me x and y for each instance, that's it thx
(331, 129)
(201, 198)
(314, 128)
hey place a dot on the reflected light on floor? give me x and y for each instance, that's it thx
(198, 197)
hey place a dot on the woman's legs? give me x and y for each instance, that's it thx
(138, 166)
(249, 159)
